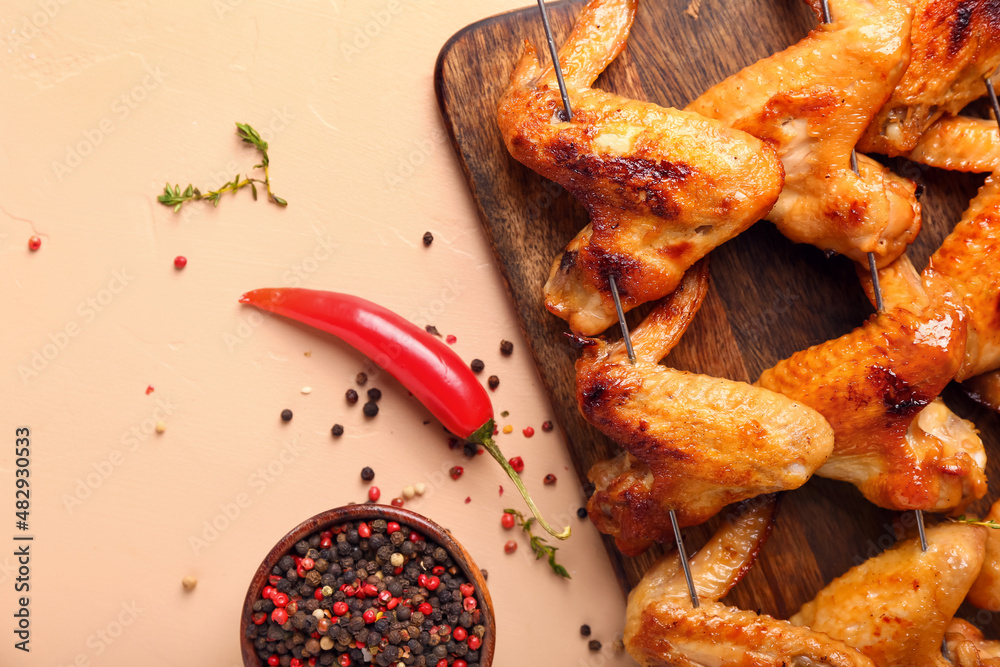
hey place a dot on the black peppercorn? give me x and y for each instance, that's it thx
(428, 238)
(582, 513)
(477, 365)
(585, 630)
(506, 348)
(594, 645)
(337, 430)
(286, 415)
(493, 382)
(374, 393)
(361, 378)
(352, 396)
(367, 474)
(370, 409)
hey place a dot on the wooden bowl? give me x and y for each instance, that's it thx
(351, 513)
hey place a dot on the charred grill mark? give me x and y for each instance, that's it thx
(960, 26)
(567, 261)
(592, 397)
(898, 396)
(603, 264)
(643, 180)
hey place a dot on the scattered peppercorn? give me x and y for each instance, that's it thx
(585, 630)
(546, 426)
(582, 513)
(508, 429)
(370, 409)
(506, 348)
(432, 330)
(397, 502)
(477, 365)
(517, 463)
(180, 261)
(374, 394)
(361, 378)
(450, 339)
(428, 238)
(493, 381)
(286, 415)
(351, 396)
(161, 427)
(367, 474)
(528, 432)
(456, 472)
(594, 645)
(507, 520)
(374, 493)
(189, 583)
(337, 430)
(34, 243)
(510, 547)
(550, 479)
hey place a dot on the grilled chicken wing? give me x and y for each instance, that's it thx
(895, 607)
(955, 43)
(695, 443)
(960, 143)
(661, 627)
(877, 387)
(970, 259)
(966, 647)
(663, 187)
(812, 101)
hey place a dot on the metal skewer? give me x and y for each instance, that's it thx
(876, 287)
(993, 100)
(568, 115)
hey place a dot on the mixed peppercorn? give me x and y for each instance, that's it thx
(367, 593)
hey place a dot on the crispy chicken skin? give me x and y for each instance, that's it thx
(966, 647)
(812, 102)
(955, 44)
(661, 627)
(877, 386)
(663, 187)
(984, 389)
(960, 143)
(895, 607)
(969, 259)
(694, 443)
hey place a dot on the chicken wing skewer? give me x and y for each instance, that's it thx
(662, 629)
(878, 386)
(694, 443)
(662, 187)
(612, 284)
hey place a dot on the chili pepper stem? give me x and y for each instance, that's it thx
(484, 437)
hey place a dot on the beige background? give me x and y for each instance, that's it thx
(103, 103)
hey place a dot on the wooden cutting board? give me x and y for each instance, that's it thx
(769, 298)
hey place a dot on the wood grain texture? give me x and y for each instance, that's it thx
(768, 299)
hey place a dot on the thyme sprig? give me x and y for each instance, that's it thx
(539, 545)
(174, 196)
(989, 523)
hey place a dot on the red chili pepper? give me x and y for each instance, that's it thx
(430, 369)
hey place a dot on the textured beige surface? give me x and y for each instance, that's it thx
(102, 103)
